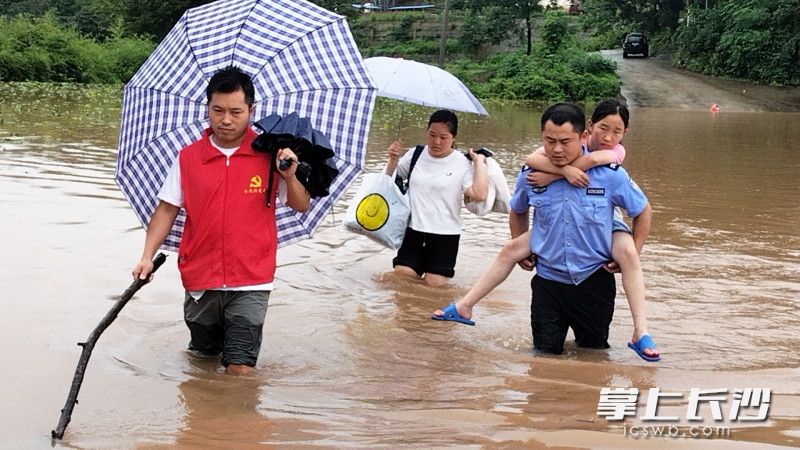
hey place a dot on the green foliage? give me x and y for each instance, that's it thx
(646, 16)
(570, 74)
(473, 32)
(555, 30)
(603, 39)
(127, 55)
(156, 17)
(402, 32)
(556, 69)
(378, 33)
(756, 40)
(524, 11)
(95, 17)
(41, 50)
(419, 49)
(91, 41)
(497, 20)
(396, 17)
(15, 7)
(590, 63)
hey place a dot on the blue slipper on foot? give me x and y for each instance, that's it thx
(451, 315)
(643, 343)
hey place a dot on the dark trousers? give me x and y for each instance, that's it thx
(230, 322)
(587, 308)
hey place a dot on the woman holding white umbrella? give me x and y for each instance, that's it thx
(442, 178)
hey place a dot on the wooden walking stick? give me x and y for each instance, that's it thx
(83, 361)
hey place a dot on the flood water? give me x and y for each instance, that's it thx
(350, 357)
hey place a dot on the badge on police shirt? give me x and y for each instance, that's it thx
(600, 192)
(614, 166)
(539, 189)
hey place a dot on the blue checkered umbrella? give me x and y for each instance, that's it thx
(301, 58)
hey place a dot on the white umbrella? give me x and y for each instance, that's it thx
(422, 84)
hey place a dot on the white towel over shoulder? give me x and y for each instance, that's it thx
(497, 196)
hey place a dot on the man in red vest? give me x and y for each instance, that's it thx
(227, 252)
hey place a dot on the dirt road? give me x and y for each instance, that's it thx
(653, 82)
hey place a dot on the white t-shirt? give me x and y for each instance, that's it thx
(171, 193)
(436, 190)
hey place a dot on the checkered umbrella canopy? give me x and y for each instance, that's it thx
(301, 58)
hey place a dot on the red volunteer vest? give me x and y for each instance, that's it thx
(230, 236)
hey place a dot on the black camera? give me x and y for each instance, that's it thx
(481, 151)
(303, 168)
(485, 152)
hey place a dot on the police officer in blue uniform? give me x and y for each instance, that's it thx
(571, 237)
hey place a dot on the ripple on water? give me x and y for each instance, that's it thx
(350, 356)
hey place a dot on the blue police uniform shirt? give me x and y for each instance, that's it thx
(571, 232)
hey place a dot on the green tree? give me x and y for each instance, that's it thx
(35, 8)
(524, 10)
(403, 30)
(640, 15)
(757, 40)
(96, 17)
(156, 17)
(497, 19)
(473, 32)
(40, 49)
(555, 30)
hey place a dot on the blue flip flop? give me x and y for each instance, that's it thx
(451, 315)
(643, 343)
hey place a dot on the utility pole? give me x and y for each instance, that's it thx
(443, 42)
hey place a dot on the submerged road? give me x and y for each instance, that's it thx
(653, 82)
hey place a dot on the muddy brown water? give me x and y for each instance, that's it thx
(350, 357)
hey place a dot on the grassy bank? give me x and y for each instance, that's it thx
(39, 49)
(492, 64)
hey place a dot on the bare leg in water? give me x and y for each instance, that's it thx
(514, 251)
(623, 250)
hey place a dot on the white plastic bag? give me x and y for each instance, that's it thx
(379, 211)
(497, 195)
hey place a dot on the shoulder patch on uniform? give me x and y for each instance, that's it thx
(596, 191)
(539, 189)
(614, 166)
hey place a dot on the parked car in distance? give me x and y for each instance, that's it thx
(635, 44)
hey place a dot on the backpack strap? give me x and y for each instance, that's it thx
(417, 151)
(403, 184)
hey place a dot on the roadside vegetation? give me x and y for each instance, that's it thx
(84, 41)
(509, 49)
(39, 49)
(556, 69)
(499, 48)
(752, 40)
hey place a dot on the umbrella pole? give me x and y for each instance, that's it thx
(83, 361)
(400, 122)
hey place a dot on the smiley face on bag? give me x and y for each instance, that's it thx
(372, 212)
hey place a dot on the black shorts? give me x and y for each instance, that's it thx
(587, 308)
(428, 253)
